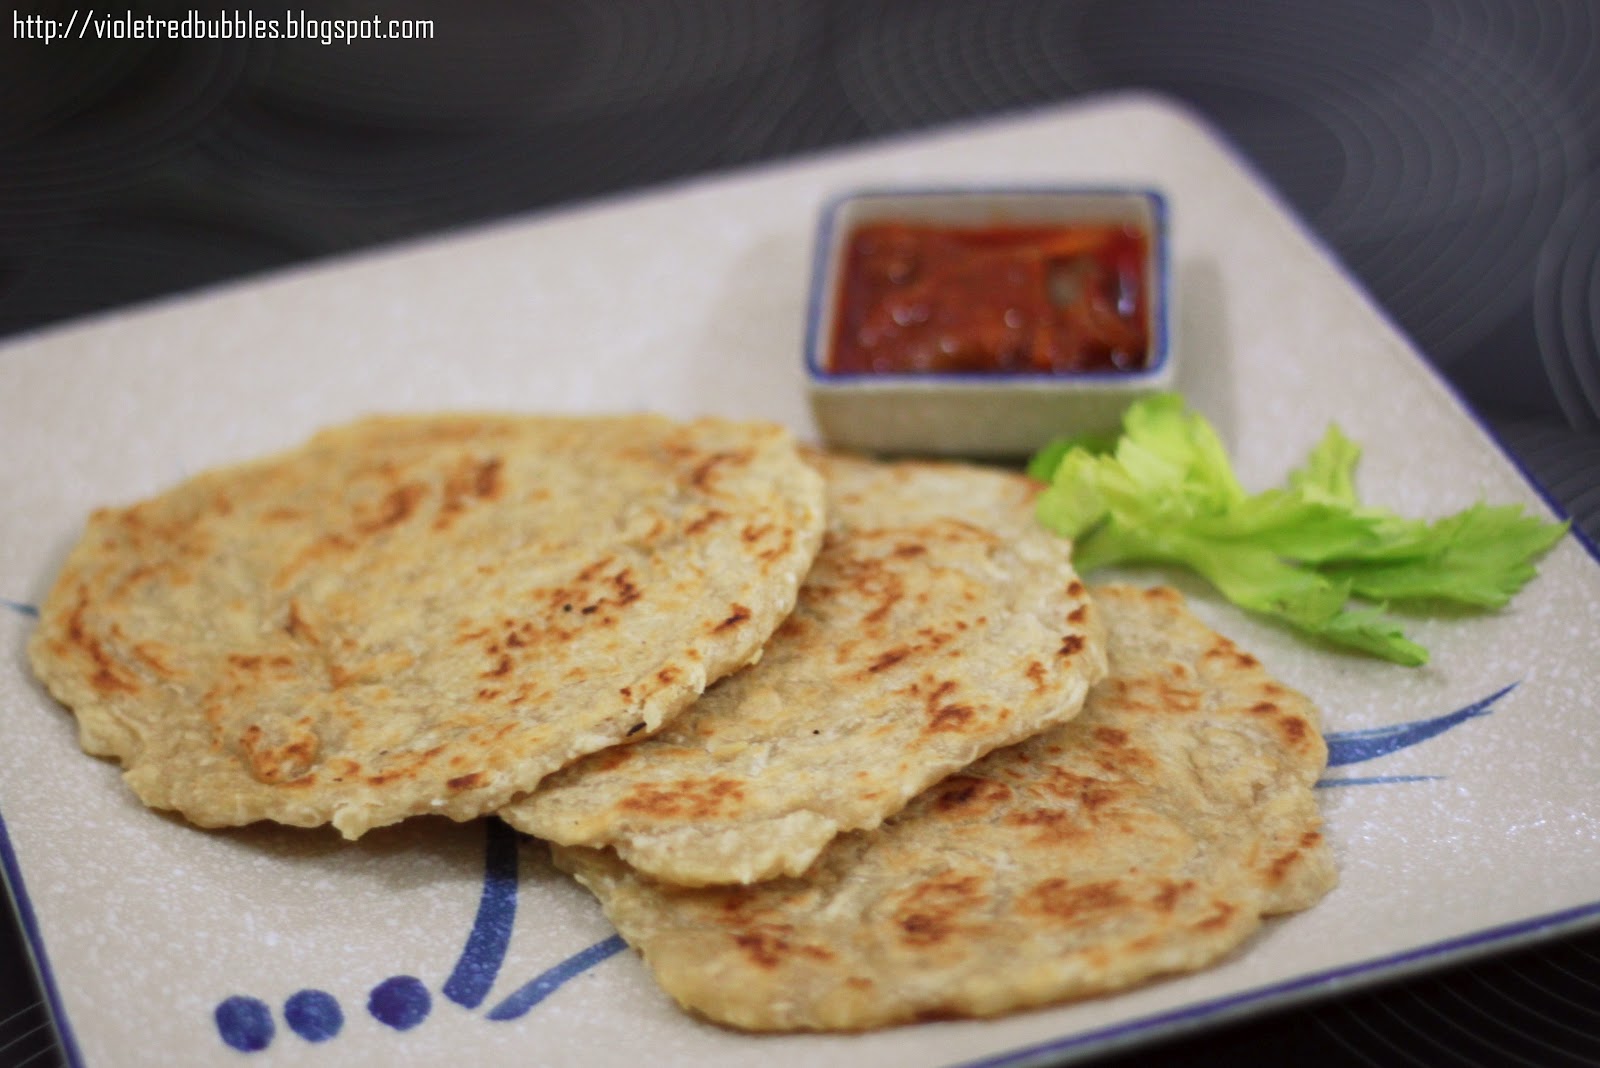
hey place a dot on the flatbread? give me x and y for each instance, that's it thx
(423, 613)
(938, 622)
(1147, 836)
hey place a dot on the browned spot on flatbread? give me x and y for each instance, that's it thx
(1064, 902)
(108, 677)
(296, 625)
(1230, 654)
(737, 614)
(704, 475)
(486, 481)
(938, 1014)
(592, 594)
(1114, 737)
(1170, 893)
(625, 589)
(683, 798)
(398, 505)
(792, 629)
(889, 659)
(933, 910)
(408, 767)
(1221, 916)
(969, 797)
(292, 756)
(1049, 826)
(471, 480)
(1037, 674)
(704, 523)
(1089, 793)
(318, 551)
(616, 756)
(1151, 694)
(945, 714)
(769, 946)
(155, 656)
(467, 782)
(779, 548)
(1280, 866)
(1295, 730)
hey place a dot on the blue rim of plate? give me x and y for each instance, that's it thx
(22, 908)
(826, 239)
(1519, 934)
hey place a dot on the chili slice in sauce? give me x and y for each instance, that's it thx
(999, 299)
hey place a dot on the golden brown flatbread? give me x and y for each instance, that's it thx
(938, 622)
(1147, 836)
(423, 614)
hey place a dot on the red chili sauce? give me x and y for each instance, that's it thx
(992, 300)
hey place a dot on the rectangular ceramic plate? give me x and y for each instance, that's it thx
(1465, 833)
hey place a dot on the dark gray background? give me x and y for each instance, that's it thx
(1447, 150)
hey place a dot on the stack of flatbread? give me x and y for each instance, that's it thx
(837, 743)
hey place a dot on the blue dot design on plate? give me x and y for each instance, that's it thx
(314, 1015)
(403, 1001)
(245, 1024)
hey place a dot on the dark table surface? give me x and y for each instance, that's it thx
(1448, 151)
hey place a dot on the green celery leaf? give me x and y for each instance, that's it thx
(1167, 494)
(1263, 582)
(1370, 631)
(1042, 467)
(1260, 580)
(1480, 557)
(1304, 530)
(1329, 471)
(1159, 433)
(1073, 502)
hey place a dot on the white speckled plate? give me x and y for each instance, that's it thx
(1464, 811)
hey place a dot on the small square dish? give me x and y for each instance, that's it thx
(985, 322)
